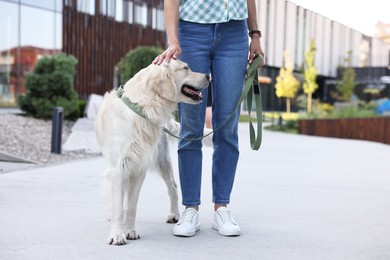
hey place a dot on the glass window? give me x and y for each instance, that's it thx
(128, 12)
(49, 4)
(69, 3)
(37, 39)
(154, 18)
(86, 6)
(158, 19)
(58, 5)
(141, 14)
(58, 33)
(37, 28)
(8, 53)
(112, 8)
(8, 26)
(103, 7)
(119, 11)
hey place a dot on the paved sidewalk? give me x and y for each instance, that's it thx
(299, 197)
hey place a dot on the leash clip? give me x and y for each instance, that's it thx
(119, 91)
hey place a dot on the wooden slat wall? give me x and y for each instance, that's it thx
(99, 42)
(370, 129)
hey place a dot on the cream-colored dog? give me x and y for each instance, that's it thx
(134, 145)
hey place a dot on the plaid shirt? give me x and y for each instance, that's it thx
(213, 11)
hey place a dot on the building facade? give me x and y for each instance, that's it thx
(383, 31)
(287, 26)
(97, 32)
(100, 32)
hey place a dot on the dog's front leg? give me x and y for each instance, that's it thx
(117, 234)
(133, 189)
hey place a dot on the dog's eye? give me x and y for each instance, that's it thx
(186, 68)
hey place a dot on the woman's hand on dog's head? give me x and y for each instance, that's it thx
(172, 52)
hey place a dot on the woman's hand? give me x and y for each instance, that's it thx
(172, 52)
(171, 14)
(255, 48)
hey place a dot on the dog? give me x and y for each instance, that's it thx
(134, 145)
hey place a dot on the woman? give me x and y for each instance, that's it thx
(212, 37)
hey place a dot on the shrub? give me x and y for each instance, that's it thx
(352, 112)
(51, 85)
(136, 60)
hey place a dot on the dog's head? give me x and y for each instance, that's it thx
(173, 81)
(168, 83)
(188, 84)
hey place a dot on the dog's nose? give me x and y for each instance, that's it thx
(208, 77)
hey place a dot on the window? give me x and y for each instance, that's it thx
(58, 5)
(86, 6)
(58, 32)
(40, 3)
(141, 14)
(103, 7)
(8, 53)
(8, 26)
(128, 12)
(108, 7)
(37, 28)
(158, 19)
(68, 3)
(119, 11)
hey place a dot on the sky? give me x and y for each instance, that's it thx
(361, 15)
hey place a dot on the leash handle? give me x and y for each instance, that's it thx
(252, 91)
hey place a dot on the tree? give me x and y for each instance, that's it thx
(51, 84)
(286, 84)
(310, 74)
(347, 83)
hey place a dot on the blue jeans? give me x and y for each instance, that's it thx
(222, 50)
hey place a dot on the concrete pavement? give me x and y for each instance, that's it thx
(299, 197)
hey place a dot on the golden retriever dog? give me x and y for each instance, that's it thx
(133, 145)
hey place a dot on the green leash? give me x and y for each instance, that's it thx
(251, 90)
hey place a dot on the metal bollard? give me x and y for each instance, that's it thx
(280, 122)
(56, 131)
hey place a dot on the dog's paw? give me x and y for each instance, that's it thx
(173, 218)
(118, 239)
(132, 234)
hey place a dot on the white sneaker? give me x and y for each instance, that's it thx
(188, 224)
(224, 223)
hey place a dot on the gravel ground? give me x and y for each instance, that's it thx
(30, 139)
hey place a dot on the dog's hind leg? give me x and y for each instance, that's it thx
(133, 188)
(164, 166)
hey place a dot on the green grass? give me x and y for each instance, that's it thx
(245, 118)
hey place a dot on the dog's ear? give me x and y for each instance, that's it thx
(163, 85)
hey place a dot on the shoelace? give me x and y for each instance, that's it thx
(187, 216)
(226, 216)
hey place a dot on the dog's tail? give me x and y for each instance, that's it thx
(174, 127)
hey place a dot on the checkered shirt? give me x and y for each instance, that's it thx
(213, 11)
